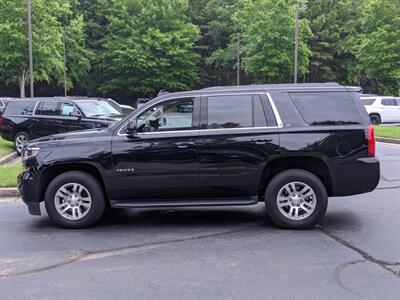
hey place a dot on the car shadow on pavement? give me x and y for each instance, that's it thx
(341, 220)
(177, 217)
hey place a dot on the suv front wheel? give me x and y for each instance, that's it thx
(296, 199)
(74, 199)
(20, 139)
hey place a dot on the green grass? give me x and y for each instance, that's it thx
(387, 131)
(6, 147)
(9, 174)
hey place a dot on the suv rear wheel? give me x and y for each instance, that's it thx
(20, 139)
(296, 199)
(375, 119)
(74, 200)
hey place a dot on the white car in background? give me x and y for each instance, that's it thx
(382, 109)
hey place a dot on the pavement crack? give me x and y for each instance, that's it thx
(389, 188)
(82, 255)
(388, 180)
(339, 270)
(382, 263)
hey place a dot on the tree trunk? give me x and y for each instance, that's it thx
(21, 78)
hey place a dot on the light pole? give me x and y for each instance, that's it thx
(65, 63)
(238, 61)
(29, 10)
(296, 41)
(296, 37)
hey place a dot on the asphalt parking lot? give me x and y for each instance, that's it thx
(213, 253)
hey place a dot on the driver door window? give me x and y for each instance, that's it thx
(168, 116)
(68, 110)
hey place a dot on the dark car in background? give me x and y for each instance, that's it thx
(31, 118)
(290, 146)
(3, 103)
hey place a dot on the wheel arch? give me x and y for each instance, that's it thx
(312, 164)
(53, 171)
(377, 114)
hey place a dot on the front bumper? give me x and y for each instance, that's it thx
(356, 177)
(30, 191)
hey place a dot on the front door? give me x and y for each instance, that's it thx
(160, 161)
(239, 135)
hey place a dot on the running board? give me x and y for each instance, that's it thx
(183, 203)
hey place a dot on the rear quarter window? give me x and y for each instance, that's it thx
(327, 108)
(19, 108)
(368, 101)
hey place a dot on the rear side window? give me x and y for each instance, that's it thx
(389, 102)
(47, 108)
(19, 108)
(235, 112)
(368, 101)
(326, 108)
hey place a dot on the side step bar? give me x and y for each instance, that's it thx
(183, 203)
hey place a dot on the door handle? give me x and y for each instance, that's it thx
(183, 145)
(261, 141)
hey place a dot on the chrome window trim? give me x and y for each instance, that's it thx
(275, 110)
(34, 109)
(271, 101)
(57, 116)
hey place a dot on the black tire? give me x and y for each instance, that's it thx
(375, 119)
(295, 175)
(93, 187)
(20, 134)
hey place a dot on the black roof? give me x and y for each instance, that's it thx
(57, 98)
(290, 87)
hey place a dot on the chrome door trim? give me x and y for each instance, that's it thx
(271, 101)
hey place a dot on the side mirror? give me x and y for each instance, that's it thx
(131, 129)
(77, 115)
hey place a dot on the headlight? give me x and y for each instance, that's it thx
(28, 152)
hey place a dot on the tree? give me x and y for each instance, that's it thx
(267, 31)
(218, 54)
(324, 23)
(77, 54)
(148, 46)
(378, 47)
(46, 37)
(49, 19)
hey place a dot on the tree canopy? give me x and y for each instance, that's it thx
(132, 48)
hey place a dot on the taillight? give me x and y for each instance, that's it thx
(371, 140)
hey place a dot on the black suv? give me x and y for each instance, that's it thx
(291, 146)
(32, 118)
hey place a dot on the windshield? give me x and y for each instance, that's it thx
(114, 104)
(94, 108)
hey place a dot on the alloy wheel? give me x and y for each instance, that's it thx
(73, 201)
(296, 200)
(20, 141)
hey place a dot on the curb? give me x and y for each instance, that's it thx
(8, 158)
(8, 192)
(388, 140)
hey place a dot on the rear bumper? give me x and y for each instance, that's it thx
(356, 177)
(29, 189)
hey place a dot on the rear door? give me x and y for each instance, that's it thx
(238, 135)
(391, 111)
(46, 118)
